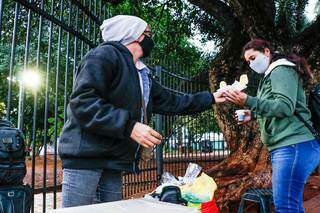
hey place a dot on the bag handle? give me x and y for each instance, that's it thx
(315, 133)
(5, 123)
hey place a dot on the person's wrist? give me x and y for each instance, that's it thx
(213, 98)
(129, 127)
(249, 101)
(245, 99)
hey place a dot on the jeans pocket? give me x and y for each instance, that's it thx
(315, 144)
(283, 153)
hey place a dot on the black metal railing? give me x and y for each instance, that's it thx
(50, 38)
(194, 138)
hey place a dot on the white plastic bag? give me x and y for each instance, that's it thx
(191, 174)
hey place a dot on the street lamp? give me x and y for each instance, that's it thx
(30, 79)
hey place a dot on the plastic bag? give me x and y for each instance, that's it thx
(191, 174)
(168, 178)
(200, 191)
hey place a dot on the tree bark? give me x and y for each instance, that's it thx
(256, 17)
(308, 41)
(221, 12)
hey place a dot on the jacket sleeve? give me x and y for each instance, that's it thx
(167, 102)
(284, 82)
(93, 112)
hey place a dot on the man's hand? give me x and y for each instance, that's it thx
(236, 97)
(145, 135)
(219, 97)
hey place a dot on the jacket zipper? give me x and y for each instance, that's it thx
(141, 118)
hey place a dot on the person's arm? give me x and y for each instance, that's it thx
(284, 82)
(88, 107)
(169, 103)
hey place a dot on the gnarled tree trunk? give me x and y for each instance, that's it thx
(248, 164)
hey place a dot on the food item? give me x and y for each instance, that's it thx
(237, 85)
(244, 79)
(223, 84)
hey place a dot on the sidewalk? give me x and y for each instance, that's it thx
(38, 202)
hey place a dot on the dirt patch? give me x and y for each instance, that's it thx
(41, 173)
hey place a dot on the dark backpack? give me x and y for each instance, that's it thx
(12, 154)
(314, 106)
(16, 199)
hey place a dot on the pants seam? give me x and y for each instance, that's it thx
(291, 175)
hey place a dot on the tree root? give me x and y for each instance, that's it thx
(230, 189)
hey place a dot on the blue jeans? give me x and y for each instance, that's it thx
(291, 167)
(85, 187)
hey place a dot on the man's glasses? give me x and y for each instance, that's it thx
(148, 33)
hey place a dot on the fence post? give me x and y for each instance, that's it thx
(158, 127)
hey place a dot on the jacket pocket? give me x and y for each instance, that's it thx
(93, 145)
(124, 149)
(266, 131)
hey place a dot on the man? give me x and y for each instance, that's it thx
(111, 100)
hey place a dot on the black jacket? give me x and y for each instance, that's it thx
(105, 105)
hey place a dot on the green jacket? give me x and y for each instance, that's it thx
(280, 93)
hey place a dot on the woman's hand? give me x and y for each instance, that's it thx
(247, 117)
(236, 97)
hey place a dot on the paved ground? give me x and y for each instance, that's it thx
(38, 202)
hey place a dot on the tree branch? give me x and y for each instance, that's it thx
(306, 40)
(256, 17)
(115, 2)
(220, 11)
(300, 8)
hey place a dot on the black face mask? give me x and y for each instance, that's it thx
(147, 45)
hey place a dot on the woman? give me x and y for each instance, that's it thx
(294, 151)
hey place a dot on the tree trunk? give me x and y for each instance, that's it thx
(248, 164)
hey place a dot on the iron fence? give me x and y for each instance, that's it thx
(50, 37)
(193, 138)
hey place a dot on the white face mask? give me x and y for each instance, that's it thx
(260, 64)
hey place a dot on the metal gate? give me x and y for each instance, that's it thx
(48, 38)
(188, 139)
(41, 45)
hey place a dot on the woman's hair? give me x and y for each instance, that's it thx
(302, 66)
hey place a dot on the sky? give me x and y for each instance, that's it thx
(310, 13)
(209, 46)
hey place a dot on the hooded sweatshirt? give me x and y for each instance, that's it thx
(106, 104)
(281, 94)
